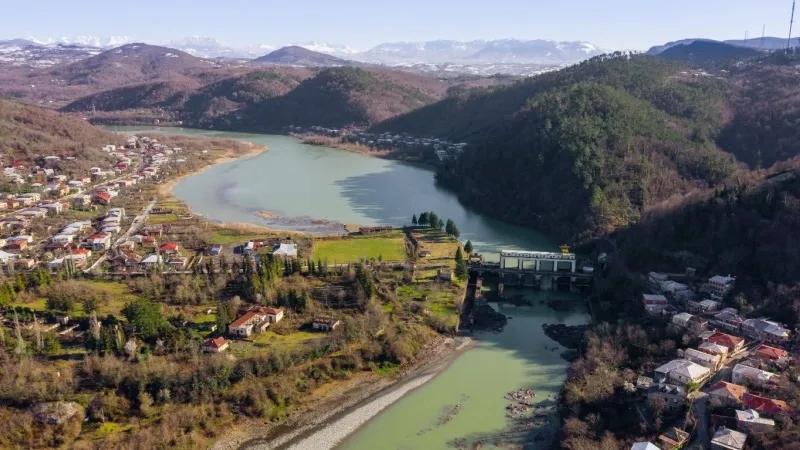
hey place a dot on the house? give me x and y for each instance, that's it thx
(444, 275)
(644, 446)
(12, 203)
(714, 349)
(765, 406)
(125, 261)
(273, 315)
(178, 263)
(728, 319)
(215, 250)
(5, 257)
(63, 239)
(253, 320)
(673, 438)
(33, 213)
(116, 212)
(99, 241)
(746, 375)
(673, 396)
(772, 354)
(750, 420)
(654, 299)
(169, 248)
(286, 250)
(765, 330)
(733, 343)
(727, 439)
(727, 394)
(102, 198)
(681, 371)
(325, 324)
(708, 305)
(682, 319)
(719, 286)
(54, 208)
(152, 261)
(16, 245)
(690, 322)
(80, 201)
(712, 362)
(215, 345)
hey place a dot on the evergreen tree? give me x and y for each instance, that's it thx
(468, 247)
(461, 271)
(423, 219)
(448, 227)
(363, 279)
(414, 220)
(455, 232)
(433, 220)
(222, 317)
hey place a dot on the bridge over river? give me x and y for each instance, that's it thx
(542, 270)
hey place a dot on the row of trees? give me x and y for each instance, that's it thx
(431, 220)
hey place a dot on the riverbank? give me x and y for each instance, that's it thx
(392, 155)
(339, 412)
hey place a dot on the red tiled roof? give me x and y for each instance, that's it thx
(265, 310)
(103, 196)
(245, 318)
(763, 404)
(735, 390)
(171, 246)
(725, 339)
(81, 251)
(772, 353)
(217, 342)
(100, 236)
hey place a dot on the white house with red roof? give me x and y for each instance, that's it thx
(99, 241)
(216, 345)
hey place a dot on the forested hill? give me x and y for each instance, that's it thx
(585, 150)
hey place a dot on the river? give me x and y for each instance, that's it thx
(303, 183)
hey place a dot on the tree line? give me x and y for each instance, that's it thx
(431, 220)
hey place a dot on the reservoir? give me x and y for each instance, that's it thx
(301, 186)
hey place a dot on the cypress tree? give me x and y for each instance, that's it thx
(468, 247)
(414, 220)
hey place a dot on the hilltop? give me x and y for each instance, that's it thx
(299, 56)
(707, 53)
(29, 132)
(583, 151)
(338, 97)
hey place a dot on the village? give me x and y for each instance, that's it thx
(427, 149)
(727, 383)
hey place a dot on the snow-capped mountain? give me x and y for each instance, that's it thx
(27, 53)
(209, 47)
(328, 48)
(86, 41)
(497, 51)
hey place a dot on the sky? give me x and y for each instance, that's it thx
(361, 24)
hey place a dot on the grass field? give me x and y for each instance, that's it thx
(268, 341)
(112, 298)
(387, 248)
(227, 236)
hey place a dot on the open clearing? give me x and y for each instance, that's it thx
(388, 248)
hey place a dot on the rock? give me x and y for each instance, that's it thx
(56, 413)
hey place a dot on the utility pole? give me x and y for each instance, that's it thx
(763, 30)
(791, 22)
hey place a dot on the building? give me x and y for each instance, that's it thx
(252, 321)
(152, 260)
(727, 394)
(746, 375)
(681, 371)
(673, 396)
(99, 241)
(673, 438)
(325, 324)
(274, 315)
(750, 420)
(727, 439)
(733, 343)
(169, 248)
(728, 319)
(719, 286)
(712, 362)
(654, 299)
(714, 349)
(690, 322)
(765, 330)
(286, 250)
(765, 406)
(215, 345)
(774, 355)
(644, 446)
(682, 319)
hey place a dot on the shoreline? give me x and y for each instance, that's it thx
(389, 155)
(342, 414)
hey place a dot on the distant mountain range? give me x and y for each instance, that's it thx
(707, 53)
(299, 56)
(768, 43)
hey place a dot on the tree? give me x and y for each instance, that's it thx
(148, 319)
(423, 219)
(414, 220)
(63, 304)
(89, 305)
(223, 319)
(448, 227)
(468, 247)
(461, 266)
(51, 345)
(433, 220)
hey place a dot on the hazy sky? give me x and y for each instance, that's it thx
(612, 24)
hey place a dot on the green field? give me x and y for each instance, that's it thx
(387, 248)
(228, 236)
(112, 298)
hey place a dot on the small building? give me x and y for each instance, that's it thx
(727, 394)
(708, 306)
(768, 407)
(99, 241)
(681, 371)
(746, 375)
(285, 250)
(644, 446)
(215, 345)
(673, 396)
(654, 299)
(728, 319)
(714, 349)
(712, 362)
(673, 438)
(444, 275)
(727, 439)
(733, 343)
(325, 324)
(170, 248)
(765, 330)
(215, 250)
(774, 355)
(152, 260)
(750, 420)
(719, 286)
(251, 321)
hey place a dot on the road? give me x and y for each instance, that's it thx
(137, 223)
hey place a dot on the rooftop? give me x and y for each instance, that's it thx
(535, 254)
(729, 438)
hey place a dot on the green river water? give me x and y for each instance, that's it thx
(300, 182)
